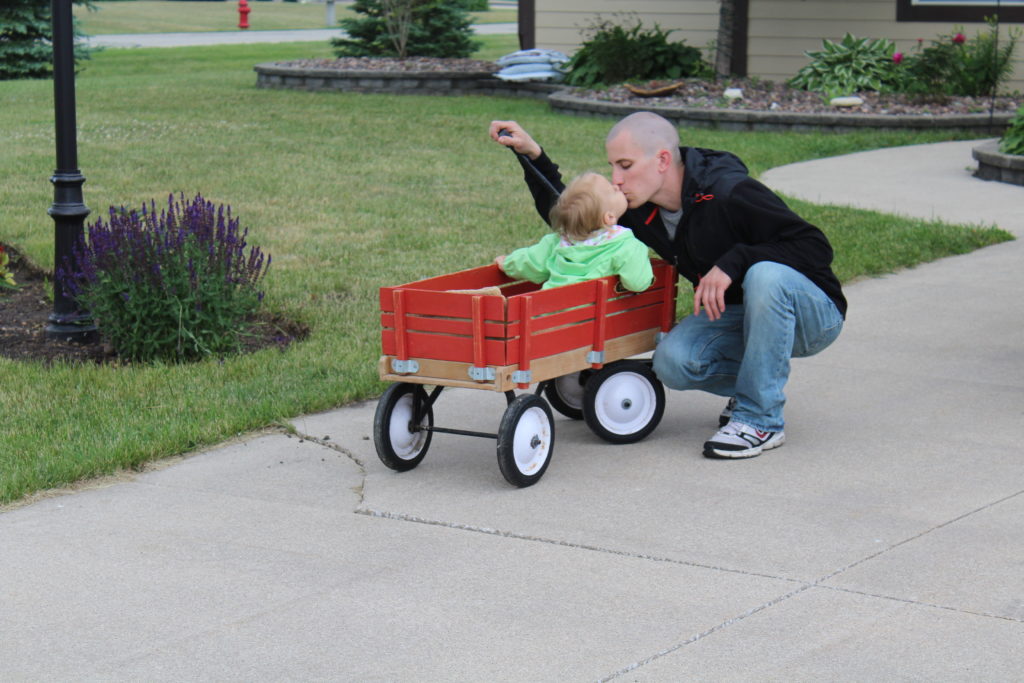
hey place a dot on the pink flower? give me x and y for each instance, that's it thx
(959, 38)
(897, 57)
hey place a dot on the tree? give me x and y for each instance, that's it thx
(407, 28)
(25, 39)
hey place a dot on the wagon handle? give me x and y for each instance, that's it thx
(528, 165)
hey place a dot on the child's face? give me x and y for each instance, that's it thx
(613, 202)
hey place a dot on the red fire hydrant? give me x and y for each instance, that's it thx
(243, 14)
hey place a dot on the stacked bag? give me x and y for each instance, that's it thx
(532, 65)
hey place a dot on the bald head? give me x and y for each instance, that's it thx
(648, 131)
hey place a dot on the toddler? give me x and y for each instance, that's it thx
(587, 243)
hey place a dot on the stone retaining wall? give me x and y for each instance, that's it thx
(484, 83)
(741, 119)
(993, 165)
(396, 82)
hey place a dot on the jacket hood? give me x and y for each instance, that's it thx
(705, 167)
(579, 259)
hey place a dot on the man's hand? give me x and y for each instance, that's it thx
(518, 139)
(710, 293)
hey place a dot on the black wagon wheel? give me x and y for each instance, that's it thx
(400, 443)
(526, 439)
(623, 402)
(565, 394)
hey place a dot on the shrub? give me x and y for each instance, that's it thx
(26, 30)
(174, 286)
(614, 53)
(1012, 141)
(6, 276)
(407, 28)
(956, 65)
(849, 66)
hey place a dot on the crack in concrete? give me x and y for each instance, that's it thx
(402, 517)
(360, 490)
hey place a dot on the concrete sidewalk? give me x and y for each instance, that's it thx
(884, 541)
(247, 36)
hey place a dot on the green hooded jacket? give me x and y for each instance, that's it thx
(554, 262)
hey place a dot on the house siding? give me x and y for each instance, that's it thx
(779, 33)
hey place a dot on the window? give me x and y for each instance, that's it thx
(959, 10)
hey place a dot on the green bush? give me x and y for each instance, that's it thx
(956, 65)
(849, 66)
(407, 28)
(26, 31)
(173, 286)
(1013, 139)
(614, 54)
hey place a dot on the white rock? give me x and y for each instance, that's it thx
(846, 101)
(733, 94)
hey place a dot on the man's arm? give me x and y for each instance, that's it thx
(534, 162)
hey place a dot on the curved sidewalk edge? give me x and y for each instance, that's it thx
(932, 181)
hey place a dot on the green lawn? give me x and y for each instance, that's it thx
(164, 16)
(348, 192)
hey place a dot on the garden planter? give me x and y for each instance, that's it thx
(994, 165)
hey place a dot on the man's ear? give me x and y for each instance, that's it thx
(664, 160)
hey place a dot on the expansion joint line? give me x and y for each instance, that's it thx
(803, 586)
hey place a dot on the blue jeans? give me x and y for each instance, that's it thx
(746, 352)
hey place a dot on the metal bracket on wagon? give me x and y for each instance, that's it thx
(404, 367)
(595, 357)
(523, 376)
(478, 374)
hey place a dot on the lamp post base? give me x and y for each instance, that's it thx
(74, 328)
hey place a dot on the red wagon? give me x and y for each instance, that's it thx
(479, 329)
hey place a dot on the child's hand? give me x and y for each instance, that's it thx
(500, 262)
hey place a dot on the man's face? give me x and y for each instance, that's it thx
(633, 172)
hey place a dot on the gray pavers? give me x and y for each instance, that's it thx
(884, 541)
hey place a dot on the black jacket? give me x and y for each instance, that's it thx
(729, 220)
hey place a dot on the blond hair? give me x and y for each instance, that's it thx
(579, 211)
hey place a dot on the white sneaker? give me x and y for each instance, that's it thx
(737, 440)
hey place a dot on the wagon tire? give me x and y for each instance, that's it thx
(623, 402)
(526, 439)
(565, 394)
(399, 446)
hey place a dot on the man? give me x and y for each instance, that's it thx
(764, 290)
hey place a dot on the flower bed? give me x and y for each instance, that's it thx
(763, 106)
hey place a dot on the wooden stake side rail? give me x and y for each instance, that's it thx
(479, 339)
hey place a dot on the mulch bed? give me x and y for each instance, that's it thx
(24, 315)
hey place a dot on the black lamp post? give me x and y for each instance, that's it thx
(67, 322)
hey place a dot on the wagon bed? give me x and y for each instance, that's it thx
(525, 335)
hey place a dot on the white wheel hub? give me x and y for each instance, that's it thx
(405, 443)
(625, 403)
(570, 390)
(532, 440)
